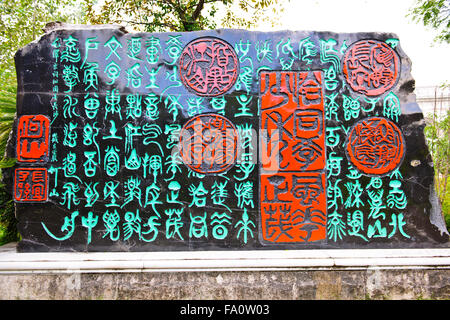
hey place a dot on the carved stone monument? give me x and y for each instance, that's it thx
(219, 140)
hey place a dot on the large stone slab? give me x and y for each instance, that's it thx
(219, 140)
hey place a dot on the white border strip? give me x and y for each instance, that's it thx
(267, 260)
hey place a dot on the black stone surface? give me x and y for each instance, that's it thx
(35, 66)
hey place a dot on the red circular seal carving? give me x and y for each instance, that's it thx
(371, 67)
(208, 143)
(375, 146)
(208, 66)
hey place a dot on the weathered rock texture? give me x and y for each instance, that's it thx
(221, 139)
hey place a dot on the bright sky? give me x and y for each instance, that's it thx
(430, 65)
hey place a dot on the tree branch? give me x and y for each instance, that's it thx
(198, 10)
(164, 24)
(177, 8)
(205, 2)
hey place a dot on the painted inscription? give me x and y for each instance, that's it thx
(292, 177)
(232, 140)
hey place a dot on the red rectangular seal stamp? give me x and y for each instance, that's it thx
(33, 138)
(30, 185)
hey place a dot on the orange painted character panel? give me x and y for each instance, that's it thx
(292, 121)
(293, 159)
(293, 207)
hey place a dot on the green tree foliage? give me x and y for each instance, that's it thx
(437, 133)
(434, 14)
(8, 228)
(21, 22)
(184, 15)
